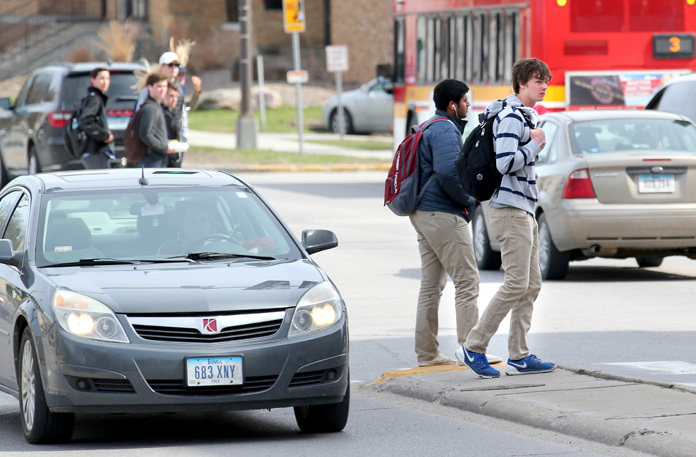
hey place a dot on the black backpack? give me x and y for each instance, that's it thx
(74, 137)
(476, 168)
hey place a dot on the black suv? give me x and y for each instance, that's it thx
(31, 130)
(678, 96)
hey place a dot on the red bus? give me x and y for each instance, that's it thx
(602, 53)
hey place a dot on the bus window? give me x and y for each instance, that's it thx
(468, 67)
(421, 59)
(511, 39)
(430, 51)
(597, 16)
(399, 45)
(478, 55)
(462, 56)
(453, 46)
(656, 16)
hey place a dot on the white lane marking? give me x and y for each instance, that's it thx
(667, 367)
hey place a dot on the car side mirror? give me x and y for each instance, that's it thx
(316, 240)
(5, 103)
(8, 255)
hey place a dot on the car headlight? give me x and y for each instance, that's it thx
(86, 317)
(319, 308)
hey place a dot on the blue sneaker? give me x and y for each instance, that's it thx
(528, 365)
(477, 362)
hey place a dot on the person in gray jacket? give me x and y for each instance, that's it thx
(512, 223)
(441, 222)
(152, 128)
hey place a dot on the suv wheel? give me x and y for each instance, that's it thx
(34, 165)
(486, 258)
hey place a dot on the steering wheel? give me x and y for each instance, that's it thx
(212, 237)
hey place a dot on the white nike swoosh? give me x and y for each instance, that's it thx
(518, 365)
(470, 359)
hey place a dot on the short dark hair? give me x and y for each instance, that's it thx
(172, 85)
(93, 74)
(449, 90)
(154, 78)
(526, 69)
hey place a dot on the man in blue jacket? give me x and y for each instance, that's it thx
(441, 221)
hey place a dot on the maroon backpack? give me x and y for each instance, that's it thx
(401, 186)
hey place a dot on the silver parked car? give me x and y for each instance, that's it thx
(169, 291)
(367, 109)
(614, 184)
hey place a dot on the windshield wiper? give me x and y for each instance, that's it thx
(112, 261)
(222, 255)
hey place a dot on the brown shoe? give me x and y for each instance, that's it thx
(440, 359)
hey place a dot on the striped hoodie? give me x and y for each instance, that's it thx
(515, 154)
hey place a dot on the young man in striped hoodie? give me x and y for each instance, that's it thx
(512, 223)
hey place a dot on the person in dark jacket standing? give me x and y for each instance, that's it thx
(441, 222)
(94, 123)
(152, 128)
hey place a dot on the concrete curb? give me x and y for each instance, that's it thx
(534, 404)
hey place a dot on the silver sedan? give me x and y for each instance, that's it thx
(367, 109)
(614, 184)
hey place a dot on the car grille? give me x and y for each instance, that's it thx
(193, 329)
(113, 386)
(312, 378)
(251, 384)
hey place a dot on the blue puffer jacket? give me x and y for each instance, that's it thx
(439, 148)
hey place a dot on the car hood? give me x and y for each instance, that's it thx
(185, 288)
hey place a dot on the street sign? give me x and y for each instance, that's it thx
(297, 76)
(336, 58)
(293, 16)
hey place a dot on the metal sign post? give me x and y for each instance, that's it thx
(294, 22)
(337, 62)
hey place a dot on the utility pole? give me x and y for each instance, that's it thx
(246, 124)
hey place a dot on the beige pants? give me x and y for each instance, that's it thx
(518, 234)
(445, 246)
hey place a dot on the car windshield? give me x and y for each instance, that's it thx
(609, 135)
(158, 225)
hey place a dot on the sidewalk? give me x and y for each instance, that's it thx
(289, 143)
(649, 417)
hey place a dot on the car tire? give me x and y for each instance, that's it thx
(552, 263)
(329, 418)
(4, 176)
(34, 166)
(486, 258)
(348, 121)
(646, 261)
(39, 424)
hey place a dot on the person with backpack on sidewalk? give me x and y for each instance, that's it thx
(441, 222)
(93, 121)
(512, 223)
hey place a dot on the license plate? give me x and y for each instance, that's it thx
(656, 184)
(214, 371)
(117, 122)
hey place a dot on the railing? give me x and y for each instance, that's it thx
(20, 24)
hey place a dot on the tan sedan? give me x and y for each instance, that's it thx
(614, 184)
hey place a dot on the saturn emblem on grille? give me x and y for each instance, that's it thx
(210, 326)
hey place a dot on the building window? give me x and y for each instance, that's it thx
(274, 4)
(232, 7)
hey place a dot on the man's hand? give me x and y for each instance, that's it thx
(539, 136)
(110, 139)
(197, 83)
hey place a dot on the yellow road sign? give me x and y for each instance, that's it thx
(293, 16)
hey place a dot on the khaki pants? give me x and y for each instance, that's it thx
(445, 246)
(518, 234)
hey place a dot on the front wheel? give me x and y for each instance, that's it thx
(486, 258)
(552, 263)
(34, 166)
(39, 424)
(347, 122)
(324, 418)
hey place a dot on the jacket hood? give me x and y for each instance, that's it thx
(93, 90)
(459, 123)
(512, 100)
